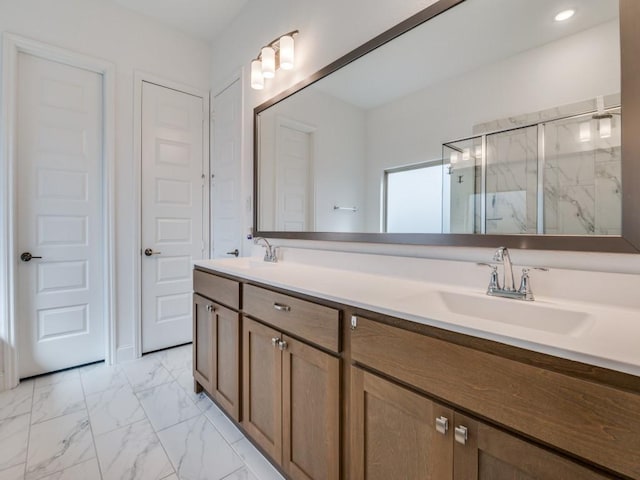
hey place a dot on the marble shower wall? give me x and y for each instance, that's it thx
(512, 181)
(582, 180)
(581, 174)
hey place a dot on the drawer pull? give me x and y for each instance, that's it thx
(461, 435)
(282, 345)
(442, 425)
(282, 308)
(210, 308)
(275, 341)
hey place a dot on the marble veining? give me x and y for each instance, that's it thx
(146, 373)
(581, 172)
(198, 451)
(100, 378)
(16, 401)
(83, 471)
(13, 473)
(14, 436)
(132, 453)
(113, 408)
(58, 444)
(167, 405)
(57, 399)
(112, 437)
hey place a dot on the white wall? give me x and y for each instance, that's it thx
(338, 156)
(104, 30)
(328, 30)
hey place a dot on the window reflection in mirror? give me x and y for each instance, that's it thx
(522, 91)
(412, 198)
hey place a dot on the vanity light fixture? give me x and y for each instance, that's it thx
(564, 15)
(277, 54)
(604, 118)
(605, 127)
(585, 132)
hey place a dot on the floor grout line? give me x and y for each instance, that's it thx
(179, 368)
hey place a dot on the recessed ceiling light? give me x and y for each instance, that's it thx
(565, 15)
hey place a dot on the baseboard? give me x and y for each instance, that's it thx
(125, 354)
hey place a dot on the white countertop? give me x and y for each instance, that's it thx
(609, 336)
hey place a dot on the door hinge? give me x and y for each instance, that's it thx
(354, 322)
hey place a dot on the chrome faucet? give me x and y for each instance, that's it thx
(270, 254)
(502, 255)
(507, 288)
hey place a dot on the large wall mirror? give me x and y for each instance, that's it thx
(475, 122)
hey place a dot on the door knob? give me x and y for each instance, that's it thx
(26, 256)
(235, 252)
(148, 252)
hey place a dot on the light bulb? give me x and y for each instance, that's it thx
(286, 52)
(268, 58)
(478, 151)
(257, 80)
(453, 158)
(466, 154)
(605, 127)
(585, 131)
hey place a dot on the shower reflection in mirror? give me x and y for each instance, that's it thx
(553, 172)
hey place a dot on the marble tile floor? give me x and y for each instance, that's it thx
(136, 421)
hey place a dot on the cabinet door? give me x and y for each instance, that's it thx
(226, 360)
(311, 416)
(262, 387)
(491, 454)
(203, 372)
(393, 432)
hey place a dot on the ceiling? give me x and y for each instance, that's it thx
(473, 34)
(202, 18)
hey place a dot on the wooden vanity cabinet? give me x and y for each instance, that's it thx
(586, 420)
(291, 389)
(393, 432)
(491, 454)
(216, 333)
(398, 433)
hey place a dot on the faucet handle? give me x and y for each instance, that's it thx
(494, 283)
(525, 282)
(484, 264)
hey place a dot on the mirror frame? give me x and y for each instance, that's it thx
(628, 242)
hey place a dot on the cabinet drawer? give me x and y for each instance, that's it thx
(316, 323)
(593, 421)
(221, 290)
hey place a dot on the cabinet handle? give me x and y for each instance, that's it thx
(282, 308)
(282, 345)
(211, 308)
(442, 425)
(275, 341)
(461, 434)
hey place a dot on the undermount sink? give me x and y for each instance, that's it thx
(250, 263)
(530, 315)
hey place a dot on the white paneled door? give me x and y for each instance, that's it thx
(60, 304)
(226, 205)
(294, 192)
(173, 213)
